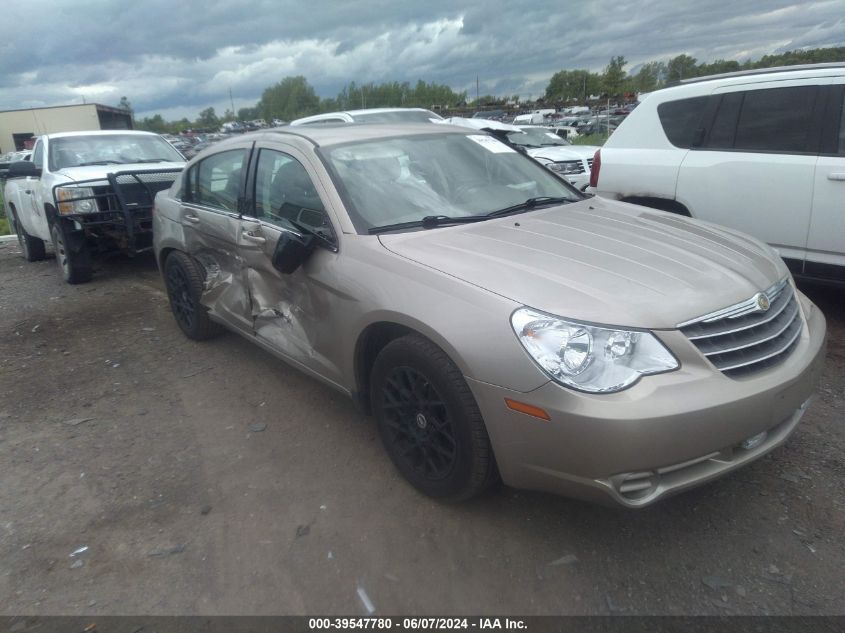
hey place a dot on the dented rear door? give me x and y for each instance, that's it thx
(210, 217)
(292, 313)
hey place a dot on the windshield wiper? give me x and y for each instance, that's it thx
(152, 160)
(428, 222)
(433, 221)
(100, 162)
(531, 203)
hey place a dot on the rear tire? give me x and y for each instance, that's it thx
(184, 280)
(75, 266)
(429, 421)
(32, 248)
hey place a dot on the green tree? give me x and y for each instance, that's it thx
(649, 77)
(572, 85)
(717, 67)
(681, 67)
(154, 124)
(289, 99)
(248, 114)
(614, 76)
(208, 119)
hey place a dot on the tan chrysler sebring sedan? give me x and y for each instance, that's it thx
(495, 321)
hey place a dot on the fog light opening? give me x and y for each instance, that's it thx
(636, 486)
(754, 441)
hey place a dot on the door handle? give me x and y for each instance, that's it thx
(252, 237)
(28, 192)
(836, 176)
(192, 219)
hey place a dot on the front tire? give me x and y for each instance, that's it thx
(75, 266)
(429, 421)
(184, 280)
(32, 248)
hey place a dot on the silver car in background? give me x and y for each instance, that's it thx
(495, 321)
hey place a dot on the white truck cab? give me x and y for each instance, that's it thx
(88, 193)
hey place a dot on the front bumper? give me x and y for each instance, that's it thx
(667, 433)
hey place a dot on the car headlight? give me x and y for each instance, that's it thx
(587, 357)
(566, 167)
(73, 200)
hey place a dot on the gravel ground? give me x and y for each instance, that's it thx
(143, 473)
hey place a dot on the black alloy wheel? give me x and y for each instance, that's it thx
(184, 279)
(429, 421)
(418, 423)
(179, 291)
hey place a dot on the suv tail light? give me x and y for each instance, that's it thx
(594, 172)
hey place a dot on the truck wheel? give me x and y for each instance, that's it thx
(429, 421)
(75, 267)
(184, 280)
(32, 248)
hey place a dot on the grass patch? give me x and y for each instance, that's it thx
(590, 139)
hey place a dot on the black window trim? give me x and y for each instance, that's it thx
(831, 121)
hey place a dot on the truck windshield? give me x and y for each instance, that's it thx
(536, 137)
(110, 149)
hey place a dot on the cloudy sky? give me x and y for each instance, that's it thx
(177, 57)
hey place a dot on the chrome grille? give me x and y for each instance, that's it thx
(743, 339)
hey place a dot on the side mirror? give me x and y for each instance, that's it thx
(291, 251)
(23, 169)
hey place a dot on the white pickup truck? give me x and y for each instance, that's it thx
(88, 193)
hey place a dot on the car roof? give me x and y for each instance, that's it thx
(351, 114)
(327, 135)
(700, 86)
(801, 70)
(100, 133)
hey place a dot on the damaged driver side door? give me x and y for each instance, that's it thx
(291, 311)
(210, 218)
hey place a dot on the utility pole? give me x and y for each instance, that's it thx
(232, 101)
(476, 91)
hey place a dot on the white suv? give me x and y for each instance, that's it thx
(762, 152)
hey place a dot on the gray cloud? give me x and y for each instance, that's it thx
(179, 57)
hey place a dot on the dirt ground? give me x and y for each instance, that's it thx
(143, 473)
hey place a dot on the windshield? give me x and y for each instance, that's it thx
(536, 137)
(106, 149)
(397, 116)
(406, 179)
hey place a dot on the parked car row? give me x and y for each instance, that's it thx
(449, 278)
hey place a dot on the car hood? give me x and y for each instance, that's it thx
(601, 261)
(90, 172)
(558, 153)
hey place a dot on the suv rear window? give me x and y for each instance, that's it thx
(680, 120)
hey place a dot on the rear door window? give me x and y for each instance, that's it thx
(216, 181)
(681, 120)
(776, 119)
